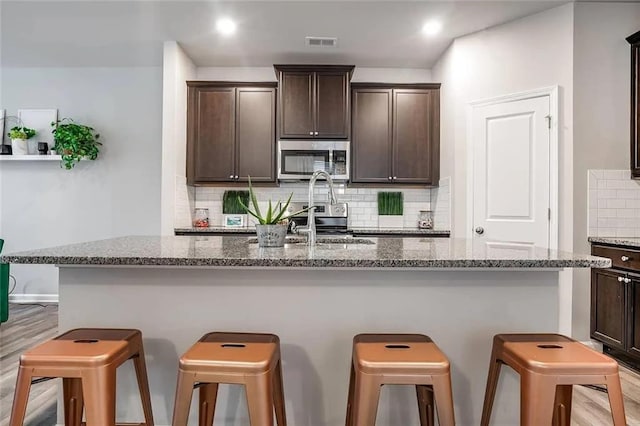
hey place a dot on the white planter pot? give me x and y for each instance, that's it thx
(271, 235)
(19, 147)
(391, 221)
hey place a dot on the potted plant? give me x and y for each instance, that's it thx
(19, 136)
(390, 210)
(272, 226)
(74, 142)
(234, 215)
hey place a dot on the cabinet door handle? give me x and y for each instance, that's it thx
(390, 178)
(316, 133)
(620, 279)
(310, 133)
(627, 280)
(625, 258)
(230, 176)
(237, 177)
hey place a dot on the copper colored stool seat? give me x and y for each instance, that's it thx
(250, 359)
(549, 365)
(398, 359)
(86, 359)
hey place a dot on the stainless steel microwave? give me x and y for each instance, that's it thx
(298, 160)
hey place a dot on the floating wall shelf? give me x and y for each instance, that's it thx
(30, 157)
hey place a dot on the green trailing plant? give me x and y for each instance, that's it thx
(19, 132)
(75, 141)
(274, 214)
(232, 202)
(390, 203)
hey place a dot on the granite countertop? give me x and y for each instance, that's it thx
(618, 241)
(355, 230)
(239, 251)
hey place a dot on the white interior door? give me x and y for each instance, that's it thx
(511, 173)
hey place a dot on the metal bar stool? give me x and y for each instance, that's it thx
(549, 365)
(250, 359)
(399, 359)
(86, 359)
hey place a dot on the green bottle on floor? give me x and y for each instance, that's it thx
(4, 288)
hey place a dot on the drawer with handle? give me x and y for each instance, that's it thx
(620, 258)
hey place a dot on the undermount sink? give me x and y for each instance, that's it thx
(322, 240)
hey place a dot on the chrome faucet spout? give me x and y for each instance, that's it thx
(311, 217)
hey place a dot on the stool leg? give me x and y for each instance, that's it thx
(99, 392)
(562, 406)
(278, 392)
(73, 401)
(616, 401)
(184, 391)
(260, 399)
(143, 386)
(208, 396)
(21, 397)
(366, 397)
(425, 405)
(444, 400)
(537, 395)
(350, 397)
(492, 385)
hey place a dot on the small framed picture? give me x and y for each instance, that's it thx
(234, 220)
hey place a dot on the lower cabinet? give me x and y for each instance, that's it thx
(615, 304)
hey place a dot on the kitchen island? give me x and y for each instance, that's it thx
(316, 299)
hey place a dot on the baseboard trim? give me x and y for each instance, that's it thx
(33, 298)
(593, 344)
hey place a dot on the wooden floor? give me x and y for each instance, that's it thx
(29, 325)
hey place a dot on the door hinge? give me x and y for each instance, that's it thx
(549, 214)
(548, 118)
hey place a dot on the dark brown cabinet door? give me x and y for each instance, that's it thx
(211, 155)
(332, 105)
(415, 144)
(297, 104)
(371, 135)
(633, 309)
(635, 104)
(255, 134)
(608, 307)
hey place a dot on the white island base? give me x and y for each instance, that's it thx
(316, 313)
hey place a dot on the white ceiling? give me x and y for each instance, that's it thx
(130, 33)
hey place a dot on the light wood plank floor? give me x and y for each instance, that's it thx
(29, 325)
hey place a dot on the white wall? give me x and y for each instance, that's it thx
(601, 116)
(43, 205)
(529, 53)
(176, 196)
(362, 74)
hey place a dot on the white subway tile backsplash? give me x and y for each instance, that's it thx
(614, 204)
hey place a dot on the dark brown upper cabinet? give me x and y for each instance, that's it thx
(313, 101)
(395, 133)
(230, 132)
(634, 40)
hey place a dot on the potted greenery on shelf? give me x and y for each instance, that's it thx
(234, 215)
(19, 136)
(272, 226)
(390, 210)
(74, 142)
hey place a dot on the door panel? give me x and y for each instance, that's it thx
(511, 146)
(332, 105)
(633, 345)
(371, 135)
(214, 134)
(296, 94)
(412, 136)
(255, 127)
(608, 308)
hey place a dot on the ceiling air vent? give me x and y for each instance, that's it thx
(321, 41)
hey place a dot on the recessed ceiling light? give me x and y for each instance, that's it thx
(225, 26)
(431, 28)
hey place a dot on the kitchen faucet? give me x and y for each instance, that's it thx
(310, 230)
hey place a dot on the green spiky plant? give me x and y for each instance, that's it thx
(273, 215)
(390, 203)
(74, 142)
